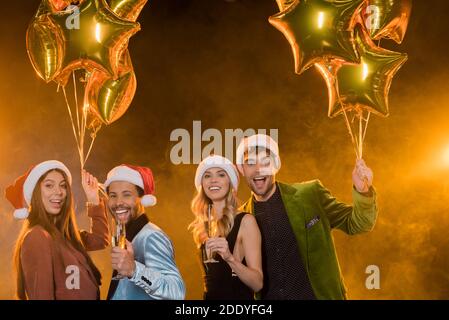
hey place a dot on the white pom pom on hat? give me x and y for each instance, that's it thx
(21, 191)
(21, 213)
(148, 200)
(139, 176)
(216, 161)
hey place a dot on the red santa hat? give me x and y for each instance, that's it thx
(139, 176)
(21, 191)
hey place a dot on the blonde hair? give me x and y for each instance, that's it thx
(200, 206)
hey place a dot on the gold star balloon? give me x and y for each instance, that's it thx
(364, 85)
(283, 4)
(45, 44)
(110, 98)
(95, 41)
(59, 5)
(127, 9)
(107, 98)
(90, 36)
(319, 29)
(387, 19)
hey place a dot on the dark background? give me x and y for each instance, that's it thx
(221, 62)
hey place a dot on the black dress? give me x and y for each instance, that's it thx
(219, 282)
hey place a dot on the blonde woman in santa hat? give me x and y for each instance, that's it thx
(51, 259)
(236, 241)
(146, 267)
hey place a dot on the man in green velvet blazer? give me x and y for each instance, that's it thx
(300, 260)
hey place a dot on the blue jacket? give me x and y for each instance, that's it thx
(157, 276)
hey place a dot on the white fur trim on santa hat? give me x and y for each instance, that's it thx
(258, 140)
(216, 161)
(124, 173)
(37, 172)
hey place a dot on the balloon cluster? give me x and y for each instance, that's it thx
(91, 36)
(337, 37)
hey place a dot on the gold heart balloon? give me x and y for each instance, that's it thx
(364, 85)
(319, 29)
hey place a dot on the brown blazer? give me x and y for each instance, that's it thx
(47, 263)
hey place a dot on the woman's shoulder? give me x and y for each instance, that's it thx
(248, 226)
(37, 246)
(246, 217)
(242, 213)
(37, 235)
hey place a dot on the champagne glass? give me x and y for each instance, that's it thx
(119, 240)
(208, 256)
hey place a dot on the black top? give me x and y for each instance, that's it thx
(285, 277)
(219, 282)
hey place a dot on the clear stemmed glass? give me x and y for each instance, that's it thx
(119, 240)
(208, 255)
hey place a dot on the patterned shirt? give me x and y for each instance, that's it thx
(285, 277)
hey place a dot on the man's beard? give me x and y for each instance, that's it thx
(269, 188)
(125, 213)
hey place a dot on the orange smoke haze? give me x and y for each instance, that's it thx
(222, 63)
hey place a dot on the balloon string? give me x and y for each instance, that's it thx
(85, 110)
(366, 124)
(83, 134)
(102, 190)
(81, 124)
(360, 116)
(365, 178)
(83, 131)
(72, 122)
(84, 122)
(76, 103)
(94, 136)
(348, 125)
(363, 126)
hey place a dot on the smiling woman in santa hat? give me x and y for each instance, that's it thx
(51, 257)
(237, 273)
